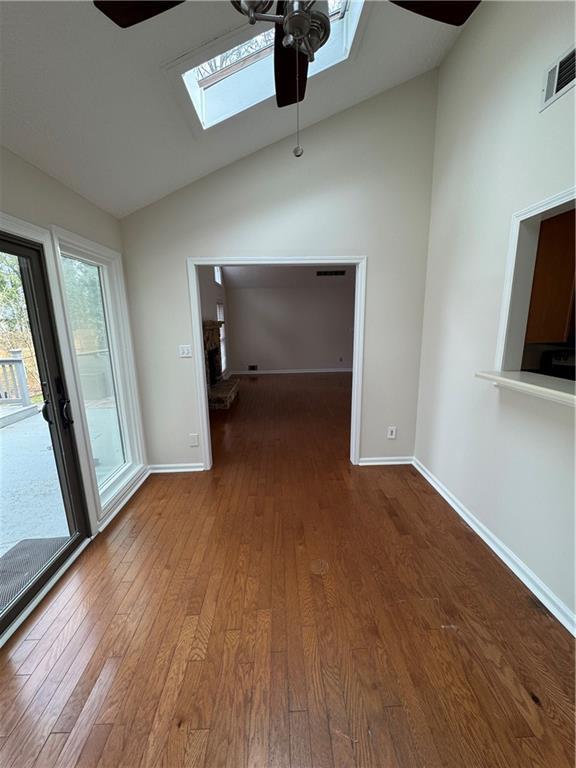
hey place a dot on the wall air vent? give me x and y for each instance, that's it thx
(559, 78)
(330, 273)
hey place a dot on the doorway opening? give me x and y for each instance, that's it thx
(279, 344)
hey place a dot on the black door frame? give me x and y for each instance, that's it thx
(36, 288)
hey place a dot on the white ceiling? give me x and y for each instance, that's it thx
(89, 103)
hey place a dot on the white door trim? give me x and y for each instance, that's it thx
(359, 262)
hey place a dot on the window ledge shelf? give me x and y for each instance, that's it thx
(546, 387)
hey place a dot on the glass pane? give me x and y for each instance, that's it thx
(242, 76)
(87, 316)
(218, 67)
(33, 521)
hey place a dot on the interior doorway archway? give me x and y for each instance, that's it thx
(358, 262)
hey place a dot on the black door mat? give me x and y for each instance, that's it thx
(21, 564)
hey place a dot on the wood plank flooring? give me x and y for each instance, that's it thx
(288, 610)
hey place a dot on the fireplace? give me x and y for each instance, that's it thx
(212, 356)
(221, 394)
(214, 366)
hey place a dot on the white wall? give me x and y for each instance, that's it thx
(508, 457)
(362, 187)
(31, 195)
(288, 318)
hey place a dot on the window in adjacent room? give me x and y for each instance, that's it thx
(220, 318)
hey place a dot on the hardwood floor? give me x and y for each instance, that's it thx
(287, 609)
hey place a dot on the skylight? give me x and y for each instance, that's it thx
(243, 76)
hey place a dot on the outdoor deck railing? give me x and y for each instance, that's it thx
(13, 384)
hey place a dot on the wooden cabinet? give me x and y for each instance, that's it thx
(551, 315)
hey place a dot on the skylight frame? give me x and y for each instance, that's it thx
(346, 32)
(340, 9)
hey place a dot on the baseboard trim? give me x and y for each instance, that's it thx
(290, 370)
(164, 468)
(376, 461)
(556, 607)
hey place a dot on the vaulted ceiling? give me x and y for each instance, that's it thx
(90, 103)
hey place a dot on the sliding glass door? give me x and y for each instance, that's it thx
(96, 311)
(91, 337)
(43, 515)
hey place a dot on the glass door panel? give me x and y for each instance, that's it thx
(87, 316)
(42, 504)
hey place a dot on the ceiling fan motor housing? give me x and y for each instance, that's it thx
(306, 26)
(319, 26)
(296, 20)
(251, 7)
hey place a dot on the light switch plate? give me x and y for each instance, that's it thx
(185, 350)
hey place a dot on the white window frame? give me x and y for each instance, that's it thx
(521, 260)
(112, 495)
(249, 58)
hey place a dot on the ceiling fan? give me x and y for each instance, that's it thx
(301, 29)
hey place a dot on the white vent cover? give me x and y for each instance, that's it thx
(559, 78)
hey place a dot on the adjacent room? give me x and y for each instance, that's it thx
(287, 384)
(278, 345)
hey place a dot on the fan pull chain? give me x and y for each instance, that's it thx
(298, 151)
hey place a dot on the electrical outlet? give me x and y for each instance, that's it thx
(194, 439)
(391, 433)
(185, 350)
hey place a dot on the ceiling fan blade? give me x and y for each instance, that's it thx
(127, 13)
(285, 68)
(454, 12)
